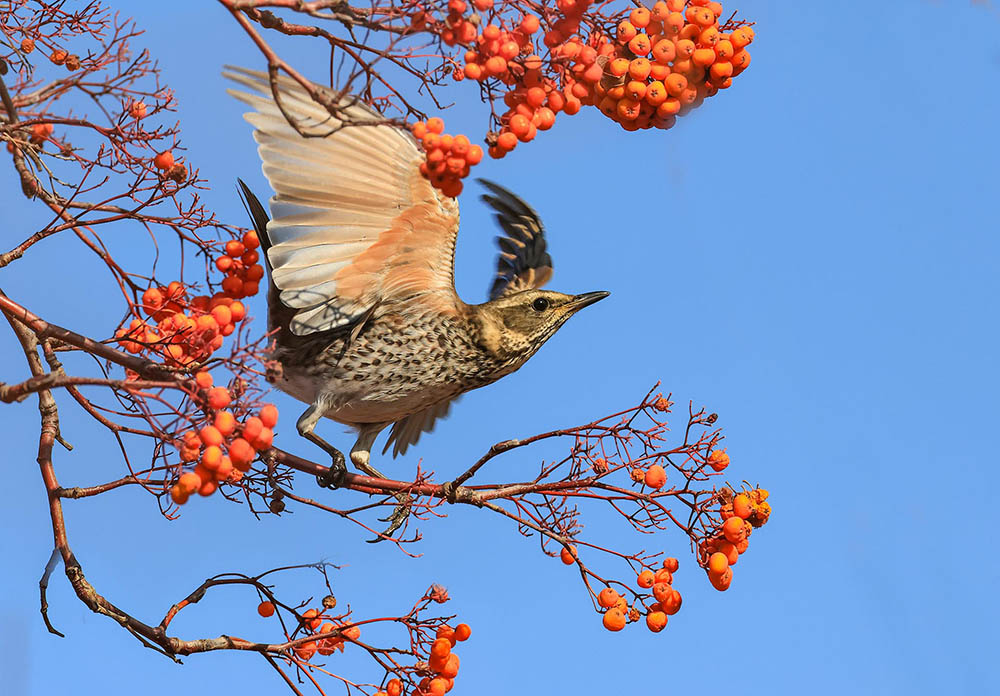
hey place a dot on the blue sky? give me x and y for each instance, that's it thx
(820, 270)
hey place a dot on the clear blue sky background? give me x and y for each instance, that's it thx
(821, 271)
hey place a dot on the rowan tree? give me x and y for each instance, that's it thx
(178, 372)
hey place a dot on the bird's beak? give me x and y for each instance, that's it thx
(585, 300)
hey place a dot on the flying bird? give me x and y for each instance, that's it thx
(368, 328)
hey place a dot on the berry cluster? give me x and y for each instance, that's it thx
(241, 265)
(222, 449)
(449, 158)
(442, 663)
(661, 63)
(60, 57)
(667, 61)
(313, 620)
(184, 331)
(189, 331)
(741, 513)
(668, 600)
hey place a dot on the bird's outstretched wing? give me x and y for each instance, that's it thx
(523, 262)
(354, 224)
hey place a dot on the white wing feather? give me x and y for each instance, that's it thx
(353, 222)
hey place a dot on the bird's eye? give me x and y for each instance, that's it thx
(540, 304)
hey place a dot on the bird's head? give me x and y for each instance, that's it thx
(513, 327)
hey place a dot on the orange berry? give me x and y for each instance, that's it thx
(742, 507)
(210, 435)
(507, 141)
(645, 579)
(218, 397)
(661, 591)
(721, 582)
(252, 428)
(740, 61)
(635, 90)
(684, 49)
(27, 45)
(672, 604)
(566, 555)
(208, 488)
(656, 93)
(265, 609)
(529, 24)
(608, 597)
(664, 51)
(306, 650)
(640, 17)
(663, 575)
(263, 440)
(720, 70)
(718, 460)
(437, 687)
(269, 415)
(656, 621)
(703, 57)
(164, 160)
(519, 125)
(475, 155)
(58, 56)
(311, 618)
(656, 476)
(462, 632)
(419, 130)
(473, 71)
(660, 11)
(435, 125)
(628, 109)
(668, 108)
(725, 50)
(450, 670)
(728, 548)
(225, 423)
(671, 564)
(709, 37)
(241, 453)
(718, 563)
(639, 45)
(618, 67)
(734, 530)
(676, 84)
(250, 240)
(638, 68)
(441, 648)
(211, 458)
(238, 311)
(740, 38)
(394, 687)
(224, 470)
(614, 619)
(189, 482)
(626, 32)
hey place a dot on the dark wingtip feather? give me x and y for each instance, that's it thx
(523, 249)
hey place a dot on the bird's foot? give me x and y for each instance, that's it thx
(396, 519)
(334, 476)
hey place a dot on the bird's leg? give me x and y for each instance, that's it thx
(361, 456)
(306, 425)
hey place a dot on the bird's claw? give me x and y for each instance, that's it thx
(334, 476)
(396, 519)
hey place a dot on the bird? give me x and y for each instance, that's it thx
(367, 327)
